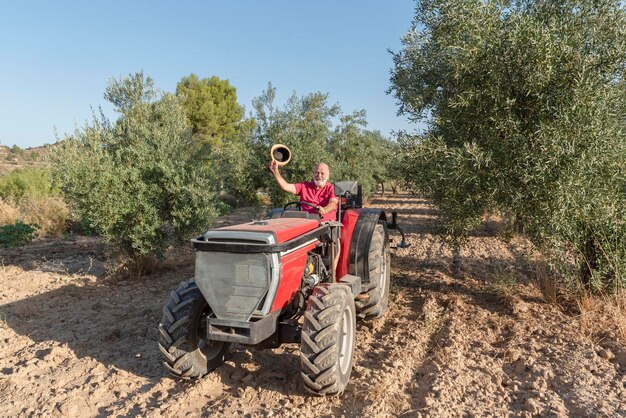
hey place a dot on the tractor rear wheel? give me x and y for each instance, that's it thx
(377, 289)
(182, 341)
(327, 343)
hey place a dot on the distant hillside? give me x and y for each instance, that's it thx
(13, 158)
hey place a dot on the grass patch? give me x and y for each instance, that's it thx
(49, 214)
(9, 213)
(504, 281)
(27, 196)
(28, 182)
(603, 318)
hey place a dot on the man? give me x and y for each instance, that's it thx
(318, 192)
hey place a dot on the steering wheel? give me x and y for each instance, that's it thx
(299, 205)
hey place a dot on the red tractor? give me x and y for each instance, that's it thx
(271, 281)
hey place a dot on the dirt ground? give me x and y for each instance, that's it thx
(468, 338)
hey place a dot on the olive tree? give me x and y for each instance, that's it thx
(217, 121)
(361, 154)
(139, 180)
(308, 126)
(304, 125)
(526, 105)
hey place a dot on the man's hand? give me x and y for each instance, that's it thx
(273, 166)
(321, 210)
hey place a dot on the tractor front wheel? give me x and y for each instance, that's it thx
(327, 343)
(182, 341)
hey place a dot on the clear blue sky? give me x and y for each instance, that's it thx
(57, 56)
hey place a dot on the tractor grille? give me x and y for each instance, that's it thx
(234, 284)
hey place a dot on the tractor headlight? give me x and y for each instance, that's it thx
(234, 284)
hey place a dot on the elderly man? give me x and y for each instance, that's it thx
(317, 192)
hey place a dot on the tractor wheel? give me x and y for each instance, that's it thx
(327, 343)
(186, 351)
(375, 305)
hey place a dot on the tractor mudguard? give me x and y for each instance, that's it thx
(361, 239)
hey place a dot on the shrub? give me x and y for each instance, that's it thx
(16, 234)
(49, 214)
(28, 182)
(9, 212)
(141, 181)
(223, 208)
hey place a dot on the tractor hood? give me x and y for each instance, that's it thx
(265, 236)
(282, 229)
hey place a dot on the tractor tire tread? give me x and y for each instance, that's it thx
(375, 305)
(179, 348)
(319, 347)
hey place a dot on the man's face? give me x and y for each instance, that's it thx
(320, 175)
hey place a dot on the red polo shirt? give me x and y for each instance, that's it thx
(319, 197)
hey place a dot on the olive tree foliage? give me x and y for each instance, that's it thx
(233, 165)
(361, 154)
(307, 125)
(138, 180)
(303, 125)
(526, 105)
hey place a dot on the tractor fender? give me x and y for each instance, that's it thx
(362, 239)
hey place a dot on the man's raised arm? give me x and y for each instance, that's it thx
(282, 183)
